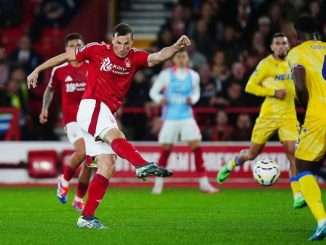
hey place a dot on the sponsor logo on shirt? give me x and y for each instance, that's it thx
(75, 87)
(127, 62)
(108, 66)
(68, 79)
(283, 77)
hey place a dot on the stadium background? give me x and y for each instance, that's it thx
(229, 39)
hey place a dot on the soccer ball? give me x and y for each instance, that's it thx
(266, 172)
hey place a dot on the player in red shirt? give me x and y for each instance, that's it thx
(70, 79)
(111, 70)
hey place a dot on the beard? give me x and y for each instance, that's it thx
(282, 56)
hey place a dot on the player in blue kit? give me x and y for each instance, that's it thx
(177, 89)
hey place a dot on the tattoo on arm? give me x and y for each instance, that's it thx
(47, 98)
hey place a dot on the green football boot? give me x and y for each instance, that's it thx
(299, 202)
(225, 171)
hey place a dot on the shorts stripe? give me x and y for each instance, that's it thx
(94, 119)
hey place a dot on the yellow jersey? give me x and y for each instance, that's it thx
(272, 74)
(312, 56)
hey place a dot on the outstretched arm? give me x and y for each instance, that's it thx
(299, 74)
(56, 60)
(168, 52)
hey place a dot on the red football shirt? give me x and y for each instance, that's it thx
(71, 81)
(109, 75)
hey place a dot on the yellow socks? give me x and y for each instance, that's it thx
(295, 186)
(312, 195)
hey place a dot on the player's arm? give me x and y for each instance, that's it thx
(299, 75)
(168, 52)
(194, 98)
(56, 60)
(159, 84)
(255, 87)
(47, 99)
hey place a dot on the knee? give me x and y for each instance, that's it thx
(167, 147)
(194, 145)
(80, 154)
(113, 134)
(106, 165)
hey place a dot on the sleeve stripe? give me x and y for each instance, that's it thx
(53, 73)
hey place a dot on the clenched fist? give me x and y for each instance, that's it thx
(182, 42)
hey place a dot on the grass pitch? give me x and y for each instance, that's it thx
(178, 216)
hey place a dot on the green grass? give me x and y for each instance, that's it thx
(178, 216)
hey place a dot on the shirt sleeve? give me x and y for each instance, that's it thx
(293, 58)
(159, 84)
(254, 85)
(53, 81)
(141, 59)
(85, 53)
(195, 88)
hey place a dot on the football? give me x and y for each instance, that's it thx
(266, 172)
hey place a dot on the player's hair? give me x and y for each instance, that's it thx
(278, 34)
(307, 28)
(73, 36)
(306, 24)
(121, 30)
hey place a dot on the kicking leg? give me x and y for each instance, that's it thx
(245, 155)
(125, 150)
(298, 200)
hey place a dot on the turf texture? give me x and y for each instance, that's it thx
(178, 216)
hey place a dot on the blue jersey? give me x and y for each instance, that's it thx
(177, 89)
(176, 95)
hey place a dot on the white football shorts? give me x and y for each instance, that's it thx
(174, 130)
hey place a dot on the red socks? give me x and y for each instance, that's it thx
(68, 173)
(96, 192)
(163, 161)
(199, 162)
(81, 189)
(126, 151)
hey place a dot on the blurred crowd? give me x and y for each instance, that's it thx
(229, 38)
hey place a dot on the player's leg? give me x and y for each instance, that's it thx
(96, 118)
(243, 156)
(204, 184)
(167, 136)
(288, 135)
(262, 130)
(96, 192)
(162, 162)
(312, 195)
(82, 186)
(298, 200)
(190, 133)
(125, 150)
(78, 156)
(310, 150)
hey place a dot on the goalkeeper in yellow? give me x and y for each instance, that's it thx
(272, 80)
(308, 64)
